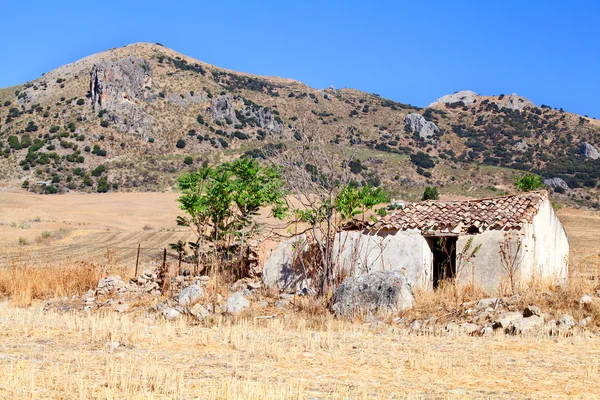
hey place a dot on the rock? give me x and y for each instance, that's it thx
(190, 295)
(279, 270)
(265, 118)
(262, 304)
(585, 299)
(469, 328)
(420, 125)
(487, 331)
(566, 321)
(316, 337)
(374, 291)
(557, 183)
(532, 310)
(254, 285)
(221, 109)
(486, 303)
(525, 325)
(451, 327)
(119, 88)
(505, 319)
(199, 311)
(121, 308)
(589, 151)
(282, 304)
(515, 102)
(585, 322)
(521, 146)
(170, 314)
(466, 96)
(415, 325)
(236, 303)
(109, 284)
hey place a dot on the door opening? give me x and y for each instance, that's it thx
(444, 258)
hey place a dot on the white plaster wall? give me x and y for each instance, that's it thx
(405, 251)
(548, 247)
(485, 268)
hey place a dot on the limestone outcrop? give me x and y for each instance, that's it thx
(221, 109)
(515, 102)
(418, 123)
(466, 96)
(589, 151)
(120, 88)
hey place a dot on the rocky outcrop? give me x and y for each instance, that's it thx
(420, 125)
(557, 183)
(264, 118)
(372, 292)
(119, 88)
(221, 109)
(521, 146)
(515, 102)
(466, 96)
(589, 151)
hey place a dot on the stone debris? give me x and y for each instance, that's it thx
(237, 303)
(418, 124)
(190, 295)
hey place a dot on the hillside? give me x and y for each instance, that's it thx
(133, 118)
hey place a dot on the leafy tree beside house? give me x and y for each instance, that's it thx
(529, 182)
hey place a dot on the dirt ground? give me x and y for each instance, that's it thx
(90, 226)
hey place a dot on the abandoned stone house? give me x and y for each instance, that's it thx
(519, 237)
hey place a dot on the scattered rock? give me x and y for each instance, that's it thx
(451, 327)
(486, 303)
(278, 270)
(585, 322)
(190, 295)
(469, 328)
(261, 304)
(254, 285)
(589, 151)
(374, 291)
(505, 319)
(566, 321)
(170, 314)
(525, 325)
(109, 284)
(487, 331)
(522, 146)
(415, 325)
(236, 303)
(199, 312)
(532, 310)
(121, 308)
(282, 304)
(316, 337)
(420, 125)
(586, 299)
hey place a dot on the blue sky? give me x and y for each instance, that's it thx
(409, 51)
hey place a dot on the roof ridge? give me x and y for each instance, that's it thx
(542, 192)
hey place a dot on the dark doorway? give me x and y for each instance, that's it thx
(444, 258)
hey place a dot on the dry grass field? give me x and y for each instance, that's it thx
(114, 356)
(296, 355)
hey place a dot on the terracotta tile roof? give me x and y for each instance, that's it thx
(469, 216)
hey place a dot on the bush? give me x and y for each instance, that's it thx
(80, 102)
(54, 129)
(180, 144)
(188, 160)
(529, 182)
(98, 170)
(422, 160)
(430, 193)
(104, 123)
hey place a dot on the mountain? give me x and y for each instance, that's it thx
(133, 118)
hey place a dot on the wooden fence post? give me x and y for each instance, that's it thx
(137, 261)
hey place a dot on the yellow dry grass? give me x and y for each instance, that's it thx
(114, 356)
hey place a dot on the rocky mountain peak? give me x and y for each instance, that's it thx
(466, 96)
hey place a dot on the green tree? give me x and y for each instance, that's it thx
(221, 202)
(430, 193)
(528, 182)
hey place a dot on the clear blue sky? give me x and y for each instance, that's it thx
(409, 51)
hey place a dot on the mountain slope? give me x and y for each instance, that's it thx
(127, 118)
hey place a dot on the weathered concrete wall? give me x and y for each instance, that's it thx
(485, 268)
(548, 247)
(405, 251)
